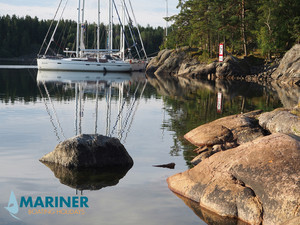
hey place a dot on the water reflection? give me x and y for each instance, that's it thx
(207, 216)
(88, 178)
(95, 86)
(167, 111)
(190, 103)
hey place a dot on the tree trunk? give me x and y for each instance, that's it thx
(244, 28)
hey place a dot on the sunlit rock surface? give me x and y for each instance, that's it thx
(237, 128)
(288, 71)
(280, 121)
(257, 181)
(85, 151)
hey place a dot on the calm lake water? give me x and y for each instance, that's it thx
(40, 109)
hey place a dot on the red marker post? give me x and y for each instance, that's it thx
(221, 52)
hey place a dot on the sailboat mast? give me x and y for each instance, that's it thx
(78, 27)
(98, 32)
(82, 47)
(122, 30)
(137, 27)
(110, 30)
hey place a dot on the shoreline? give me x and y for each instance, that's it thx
(247, 164)
(180, 63)
(242, 161)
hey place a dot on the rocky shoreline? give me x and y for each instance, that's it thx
(247, 165)
(179, 62)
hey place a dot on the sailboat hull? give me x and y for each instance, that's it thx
(82, 65)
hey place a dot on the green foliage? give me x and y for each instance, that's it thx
(244, 26)
(24, 36)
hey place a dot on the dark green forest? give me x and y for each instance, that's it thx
(21, 36)
(264, 27)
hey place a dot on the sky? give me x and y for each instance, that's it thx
(146, 11)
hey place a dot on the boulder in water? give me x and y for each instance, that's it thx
(84, 151)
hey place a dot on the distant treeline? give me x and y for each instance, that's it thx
(267, 27)
(21, 36)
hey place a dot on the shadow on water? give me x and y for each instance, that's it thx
(87, 178)
(209, 217)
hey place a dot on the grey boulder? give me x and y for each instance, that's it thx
(86, 151)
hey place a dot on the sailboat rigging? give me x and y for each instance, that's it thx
(105, 60)
(116, 118)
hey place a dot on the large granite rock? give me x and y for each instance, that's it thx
(288, 70)
(89, 151)
(180, 62)
(280, 121)
(257, 182)
(238, 128)
(166, 62)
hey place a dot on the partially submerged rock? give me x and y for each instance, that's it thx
(89, 151)
(257, 182)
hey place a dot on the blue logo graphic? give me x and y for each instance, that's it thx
(12, 207)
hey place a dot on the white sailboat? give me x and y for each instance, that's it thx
(104, 60)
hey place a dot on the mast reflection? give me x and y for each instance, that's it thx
(125, 89)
